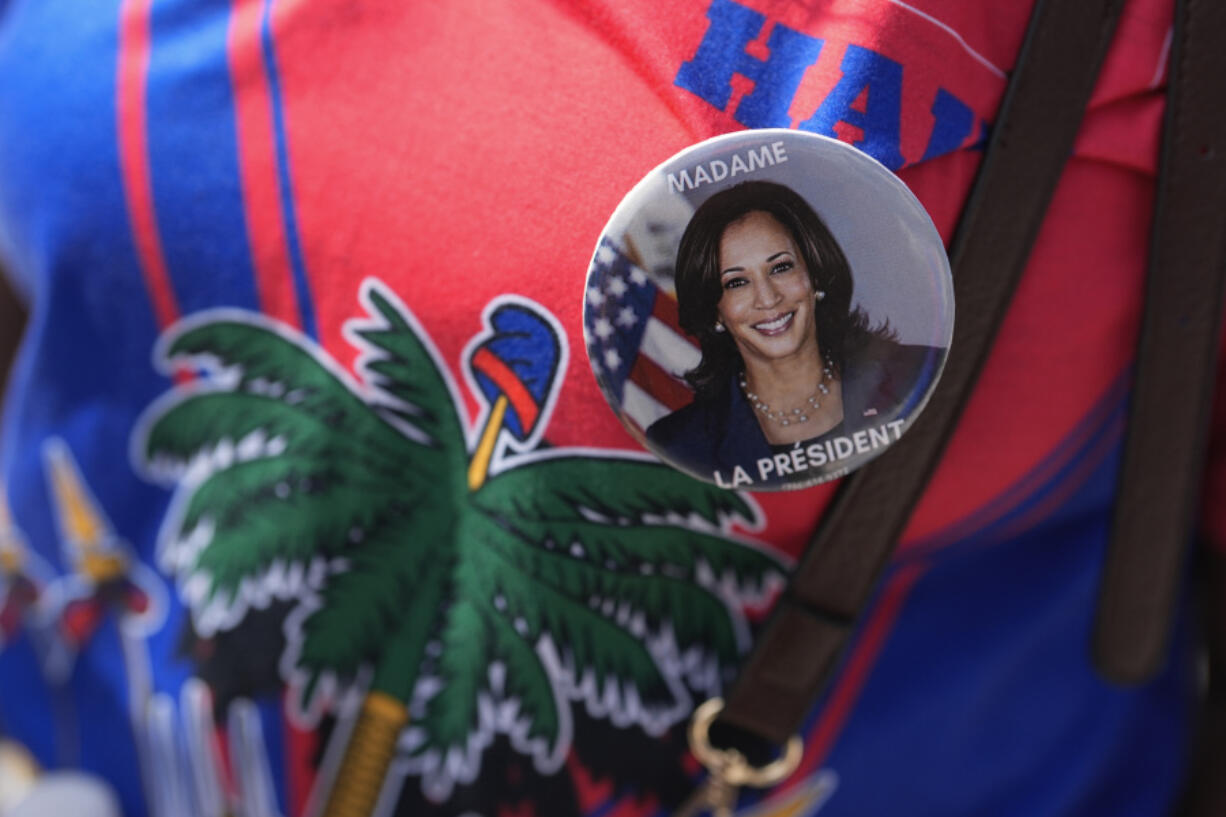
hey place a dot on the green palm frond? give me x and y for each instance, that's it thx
(595, 642)
(390, 593)
(526, 680)
(623, 490)
(276, 510)
(694, 615)
(262, 357)
(451, 715)
(199, 422)
(670, 550)
(328, 468)
(627, 515)
(590, 641)
(406, 371)
(503, 610)
(231, 496)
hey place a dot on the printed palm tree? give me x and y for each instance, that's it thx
(578, 577)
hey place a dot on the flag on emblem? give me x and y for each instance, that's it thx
(635, 340)
(520, 362)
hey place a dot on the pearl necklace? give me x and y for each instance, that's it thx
(785, 417)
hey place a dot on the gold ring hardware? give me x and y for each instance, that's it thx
(730, 765)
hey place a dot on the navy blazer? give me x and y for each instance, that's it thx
(882, 382)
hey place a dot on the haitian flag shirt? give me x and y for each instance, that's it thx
(273, 548)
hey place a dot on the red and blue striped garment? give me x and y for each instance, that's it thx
(163, 158)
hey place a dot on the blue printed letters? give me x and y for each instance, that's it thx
(865, 74)
(722, 54)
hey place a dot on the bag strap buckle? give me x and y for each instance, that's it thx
(728, 770)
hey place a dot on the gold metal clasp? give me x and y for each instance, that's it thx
(729, 770)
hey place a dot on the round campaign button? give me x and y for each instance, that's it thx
(768, 309)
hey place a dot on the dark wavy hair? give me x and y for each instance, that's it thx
(699, 288)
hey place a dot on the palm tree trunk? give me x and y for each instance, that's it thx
(367, 757)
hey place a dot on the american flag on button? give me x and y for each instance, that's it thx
(635, 343)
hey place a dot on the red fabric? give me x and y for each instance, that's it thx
(451, 231)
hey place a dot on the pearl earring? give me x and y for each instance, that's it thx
(820, 294)
(719, 327)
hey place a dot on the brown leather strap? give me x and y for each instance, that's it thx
(1033, 136)
(1176, 359)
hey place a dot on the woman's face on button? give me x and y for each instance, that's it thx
(767, 301)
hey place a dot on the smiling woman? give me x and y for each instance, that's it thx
(765, 288)
(767, 309)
